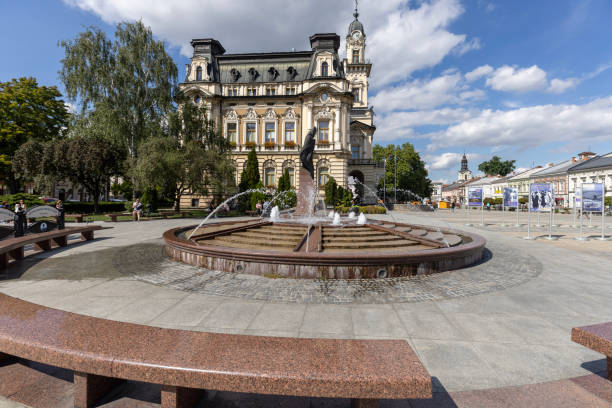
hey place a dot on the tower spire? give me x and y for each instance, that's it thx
(356, 13)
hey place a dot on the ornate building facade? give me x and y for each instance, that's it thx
(269, 101)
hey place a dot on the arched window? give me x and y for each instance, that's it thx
(199, 74)
(269, 177)
(291, 172)
(324, 69)
(323, 176)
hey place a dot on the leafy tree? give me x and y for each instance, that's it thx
(330, 191)
(27, 111)
(496, 166)
(284, 184)
(132, 76)
(411, 171)
(249, 178)
(179, 168)
(344, 197)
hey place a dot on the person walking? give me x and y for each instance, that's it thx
(453, 204)
(59, 206)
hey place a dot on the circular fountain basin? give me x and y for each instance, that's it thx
(350, 251)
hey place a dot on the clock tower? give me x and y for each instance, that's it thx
(357, 70)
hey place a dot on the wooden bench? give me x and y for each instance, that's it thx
(77, 217)
(166, 213)
(597, 337)
(113, 217)
(14, 247)
(101, 352)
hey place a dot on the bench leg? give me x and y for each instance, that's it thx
(364, 403)
(179, 397)
(16, 254)
(4, 259)
(43, 245)
(87, 235)
(61, 241)
(89, 388)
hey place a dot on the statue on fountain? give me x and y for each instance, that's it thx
(308, 150)
(306, 191)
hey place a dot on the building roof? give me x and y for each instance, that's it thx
(459, 184)
(604, 160)
(559, 168)
(237, 70)
(526, 174)
(503, 179)
(485, 180)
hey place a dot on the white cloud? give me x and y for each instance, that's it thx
(447, 160)
(561, 85)
(510, 79)
(426, 94)
(401, 40)
(531, 126)
(413, 39)
(479, 72)
(399, 125)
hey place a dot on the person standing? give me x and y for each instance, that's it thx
(137, 209)
(59, 206)
(19, 219)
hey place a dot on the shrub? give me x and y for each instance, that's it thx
(290, 144)
(30, 200)
(270, 145)
(366, 209)
(330, 191)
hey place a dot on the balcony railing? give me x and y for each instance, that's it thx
(365, 162)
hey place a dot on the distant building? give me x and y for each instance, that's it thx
(596, 169)
(436, 194)
(270, 101)
(464, 174)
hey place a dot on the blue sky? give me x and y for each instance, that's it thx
(526, 80)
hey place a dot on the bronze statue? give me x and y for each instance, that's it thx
(307, 151)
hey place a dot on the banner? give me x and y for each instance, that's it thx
(540, 197)
(475, 197)
(592, 197)
(510, 197)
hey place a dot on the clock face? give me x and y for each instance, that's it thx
(356, 35)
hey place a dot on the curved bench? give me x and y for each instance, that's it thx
(14, 247)
(597, 337)
(101, 351)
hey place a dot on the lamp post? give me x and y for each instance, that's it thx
(395, 177)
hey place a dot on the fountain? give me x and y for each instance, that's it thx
(310, 244)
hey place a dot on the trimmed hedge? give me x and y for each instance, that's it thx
(367, 209)
(77, 207)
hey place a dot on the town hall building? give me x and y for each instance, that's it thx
(270, 101)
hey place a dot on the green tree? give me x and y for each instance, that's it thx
(497, 167)
(133, 76)
(330, 191)
(249, 179)
(257, 196)
(27, 111)
(284, 184)
(179, 168)
(411, 171)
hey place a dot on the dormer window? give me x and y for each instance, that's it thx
(253, 73)
(291, 73)
(324, 69)
(198, 73)
(272, 74)
(235, 74)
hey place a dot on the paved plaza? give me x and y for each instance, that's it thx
(501, 323)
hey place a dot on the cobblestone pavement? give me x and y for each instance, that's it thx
(508, 268)
(504, 322)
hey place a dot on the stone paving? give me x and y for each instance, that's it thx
(504, 322)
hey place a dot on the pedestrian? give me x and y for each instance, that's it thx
(20, 219)
(258, 208)
(59, 206)
(137, 209)
(489, 206)
(453, 204)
